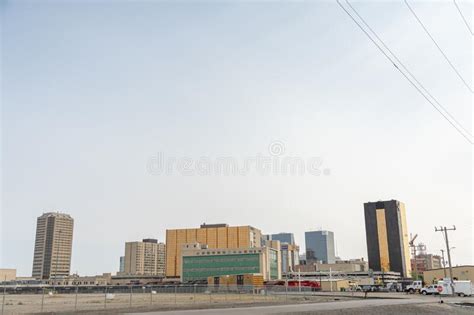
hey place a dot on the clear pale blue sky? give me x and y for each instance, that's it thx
(90, 91)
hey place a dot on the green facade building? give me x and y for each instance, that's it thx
(200, 263)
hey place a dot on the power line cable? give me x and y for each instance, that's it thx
(437, 46)
(407, 70)
(409, 80)
(463, 18)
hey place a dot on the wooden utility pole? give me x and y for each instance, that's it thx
(445, 230)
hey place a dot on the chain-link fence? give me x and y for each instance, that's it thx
(18, 300)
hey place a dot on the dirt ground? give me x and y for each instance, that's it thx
(87, 303)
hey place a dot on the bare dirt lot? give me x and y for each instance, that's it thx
(63, 303)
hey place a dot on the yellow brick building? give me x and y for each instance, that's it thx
(214, 235)
(459, 273)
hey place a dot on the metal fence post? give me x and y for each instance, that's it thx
(105, 297)
(4, 293)
(175, 293)
(194, 297)
(130, 302)
(286, 292)
(75, 301)
(151, 295)
(42, 301)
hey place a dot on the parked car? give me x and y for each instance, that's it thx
(415, 286)
(432, 289)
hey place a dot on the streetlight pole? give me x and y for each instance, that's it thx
(415, 262)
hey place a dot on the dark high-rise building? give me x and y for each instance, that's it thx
(282, 237)
(122, 264)
(387, 237)
(320, 246)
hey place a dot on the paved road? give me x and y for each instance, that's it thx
(298, 308)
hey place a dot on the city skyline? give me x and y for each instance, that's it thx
(91, 93)
(323, 240)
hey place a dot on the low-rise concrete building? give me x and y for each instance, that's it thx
(353, 265)
(459, 273)
(333, 285)
(123, 279)
(76, 280)
(234, 281)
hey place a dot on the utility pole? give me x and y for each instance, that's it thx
(445, 230)
(413, 246)
(415, 262)
(443, 262)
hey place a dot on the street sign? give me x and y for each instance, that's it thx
(440, 289)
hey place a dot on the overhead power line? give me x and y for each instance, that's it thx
(454, 124)
(407, 70)
(463, 18)
(437, 46)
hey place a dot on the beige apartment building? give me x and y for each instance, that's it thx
(213, 235)
(7, 274)
(53, 245)
(144, 258)
(290, 257)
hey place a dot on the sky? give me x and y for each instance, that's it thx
(94, 93)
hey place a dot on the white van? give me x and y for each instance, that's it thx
(461, 287)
